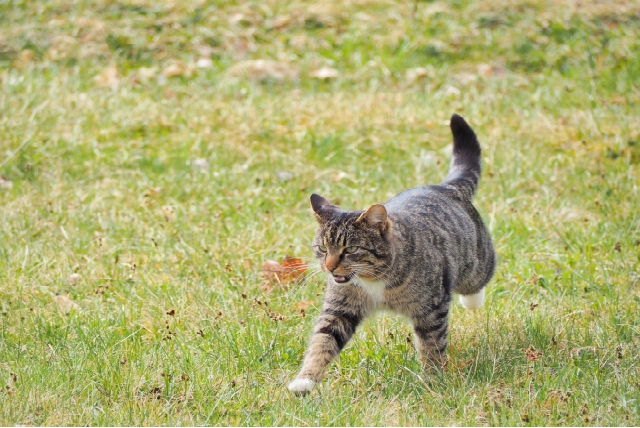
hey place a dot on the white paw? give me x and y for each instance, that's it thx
(472, 301)
(301, 385)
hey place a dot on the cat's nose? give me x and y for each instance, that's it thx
(332, 264)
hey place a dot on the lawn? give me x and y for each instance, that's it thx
(155, 154)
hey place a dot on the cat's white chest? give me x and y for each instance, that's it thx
(375, 289)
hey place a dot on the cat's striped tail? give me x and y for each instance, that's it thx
(464, 173)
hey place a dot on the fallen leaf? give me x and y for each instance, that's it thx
(26, 55)
(533, 354)
(108, 77)
(325, 73)
(24, 58)
(261, 69)
(280, 274)
(66, 304)
(488, 70)
(280, 22)
(271, 268)
(178, 69)
(152, 192)
(294, 267)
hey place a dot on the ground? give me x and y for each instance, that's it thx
(155, 154)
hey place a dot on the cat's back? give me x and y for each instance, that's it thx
(440, 213)
(429, 200)
(439, 222)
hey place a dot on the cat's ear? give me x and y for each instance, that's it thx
(375, 216)
(322, 207)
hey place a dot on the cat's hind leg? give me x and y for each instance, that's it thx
(472, 301)
(431, 335)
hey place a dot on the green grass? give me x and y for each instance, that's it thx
(106, 184)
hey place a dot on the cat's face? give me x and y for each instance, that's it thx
(351, 244)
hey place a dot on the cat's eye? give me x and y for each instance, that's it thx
(322, 248)
(350, 250)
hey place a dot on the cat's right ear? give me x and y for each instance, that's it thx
(321, 207)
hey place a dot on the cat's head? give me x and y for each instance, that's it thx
(351, 244)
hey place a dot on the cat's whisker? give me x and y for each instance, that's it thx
(369, 270)
(304, 280)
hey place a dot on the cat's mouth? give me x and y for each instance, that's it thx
(343, 279)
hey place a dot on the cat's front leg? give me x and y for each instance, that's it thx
(332, 331)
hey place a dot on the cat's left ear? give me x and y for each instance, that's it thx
(322, 207)
(376, 216)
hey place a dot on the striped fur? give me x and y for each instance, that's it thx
(409, 255)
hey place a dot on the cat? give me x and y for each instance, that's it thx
(408, 256)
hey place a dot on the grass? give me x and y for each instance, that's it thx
(140, 154)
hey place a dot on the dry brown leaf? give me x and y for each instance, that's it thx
(294, 267)
(325, 73)
(280, 274)
(179, 69)
(108, 77)
(280, 22)
(271, 269)
(533, 354)
(261, 69)
(24, 58)
(152, 192)
(488, 70)
(66, 304)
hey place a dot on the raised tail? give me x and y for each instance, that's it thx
(464, 173)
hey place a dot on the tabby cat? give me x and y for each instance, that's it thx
(408, 256)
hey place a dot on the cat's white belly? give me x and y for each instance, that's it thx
(375, 289)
